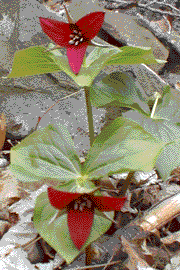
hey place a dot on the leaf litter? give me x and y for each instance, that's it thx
(145, 234)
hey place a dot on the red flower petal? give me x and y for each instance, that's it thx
(60, 199)
(80, 223)
(57, 31)
(91, 24)
(76, 55)
(104, 204)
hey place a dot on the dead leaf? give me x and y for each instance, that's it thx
(171, 238)
(54, 5)
(162, 26)
(10, 190)
(134, 261)
(127, 207)
(177, 85)
(2, 130)
(4, 227)
(16, 260)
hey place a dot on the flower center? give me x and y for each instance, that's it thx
(76, 38)
(81, 203)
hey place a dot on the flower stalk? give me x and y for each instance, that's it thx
(157, 96)
(89, 115)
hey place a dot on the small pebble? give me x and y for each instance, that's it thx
(3, 162)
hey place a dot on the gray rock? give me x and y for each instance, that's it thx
(148, 80)
(3, 163)
(25, 106)
(71, 112)
(29, 25)
(124, 28)
(6, 55)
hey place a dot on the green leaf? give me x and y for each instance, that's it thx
(120, 147)
(101, 57)
(91, 67)
(32, 61)
(46, 155)
(169, 106)
(169, 159)
(121, 89)
(130, 55)
(55, 231)
(165, 131)
(75, 187)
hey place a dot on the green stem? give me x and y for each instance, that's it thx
(89, 115)
(88, 249)
(157, 96)
(154, 108)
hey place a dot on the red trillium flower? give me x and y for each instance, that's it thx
(80, 209)
(75, 37)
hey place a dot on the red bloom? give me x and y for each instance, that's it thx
(75, 37)
(80, 208)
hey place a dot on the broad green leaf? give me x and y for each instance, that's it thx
(37, 60)
(55, 231)
(134, 55)
(161, 129)
(91, 67)
(46, 155)
(121, 89)
(32, 61)
(165, 131)
(101, 57)
(169, 107)
(169, 159)
(120, 147)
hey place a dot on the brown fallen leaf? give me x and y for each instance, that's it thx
(4, 227)
(171, 238)
(162, 26)
(177, 85)
(10, 190)
(54, 5)
(2, 130)
(136, 259)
